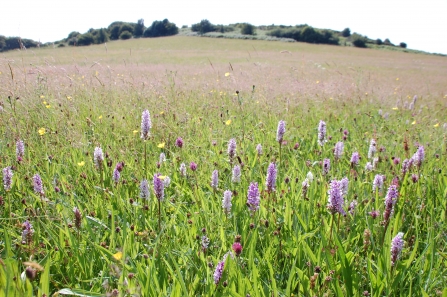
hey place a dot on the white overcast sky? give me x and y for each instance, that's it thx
(421, 24)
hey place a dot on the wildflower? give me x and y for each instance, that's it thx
(146, 124)
(78, 217)
(310, 177)
(397, 244)
(355, 158)
(98, 157)
(344, 183)
(179, 142)
(227, 74)
(321, 133)
(162, 158)
(338, 150)
(419, 156)
(375, 160)
(372, 149)
(270, 182)
(144, 189)
(368, 166)
(335, 200)
(228, 122)
(232, 148)
(236, 174)
(116, 175)
(396, 161)
(182, 169)
(378, 183)
(406, 164)
(215, 179)
(42, 131)
(259, 149)
(253, 197)
(205, 242)
(305, 186)
(161, 145)
(352, 207)
(280, 132)
(374, 214)
(80, 164)
(27, 232)
(7, 178)
(158, 187)
(193, 166)
(218, 272)
(37, 184)
(414, 178)
(20, 150)
(326, 166)
(226, 201)
(237, 248)
(390, 201)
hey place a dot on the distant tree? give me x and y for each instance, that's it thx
(358, 40)
(346, 32)
(387, 42)
(2, 42)
(139, 28)
(308, 34)
(73, 34)
(403, 45)
(161, 28)
(86, 39)
(126, 27)
(203, 27)
(103, 36)
(248, 29)
(125, 35)
(379, 41)
(115, 32)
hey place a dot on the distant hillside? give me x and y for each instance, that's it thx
(298, 33)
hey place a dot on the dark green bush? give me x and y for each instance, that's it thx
(403, 45)
(248, 29)
(125, 35)
(85, 39)
(358, 40)
(346, 32)
(161, 28)
(203, 27)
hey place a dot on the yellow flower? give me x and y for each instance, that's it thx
(414, 122)
(118, 256)
(42, 131)
(42, 96)
(395, 108)
(161, 145)
(162, 112)
(135, 131)
(82, 163)
(44, 102)
(69, 97)
(227, 74)
(397, 78)
(436, 125)
(228, 122)
(100, 117)
(317, 82)
(162, 177)
(48, 106)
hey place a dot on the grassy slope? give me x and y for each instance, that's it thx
(95, 97)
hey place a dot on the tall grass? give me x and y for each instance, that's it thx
(93, 236)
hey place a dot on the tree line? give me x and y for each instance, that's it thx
(127, 30)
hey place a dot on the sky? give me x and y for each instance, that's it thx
(422, 25)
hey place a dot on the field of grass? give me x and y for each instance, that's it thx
(74, 223)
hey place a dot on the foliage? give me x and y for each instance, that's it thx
(248, 29)
(305, 33)
(85, 39)
(346, 32)
(161, 28)
(403, 45)
(203, 27)
(358, 40)
(139, 28)
(125, 35)
(379, 41)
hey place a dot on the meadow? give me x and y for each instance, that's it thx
(188, 166)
